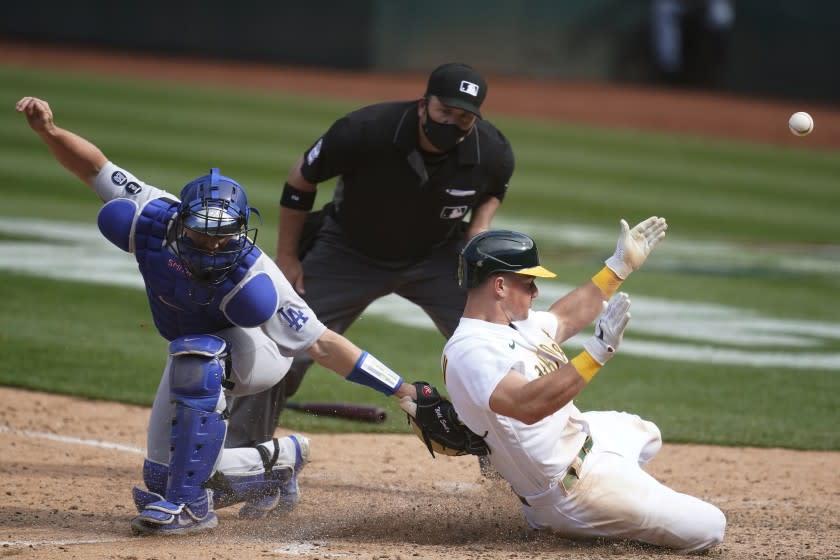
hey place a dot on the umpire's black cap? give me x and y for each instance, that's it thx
(458, 85)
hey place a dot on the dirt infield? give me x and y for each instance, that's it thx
(67, 465)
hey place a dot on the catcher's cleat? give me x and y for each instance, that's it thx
(279, 503)
(165, 518)
(143, 498)
(287, 495)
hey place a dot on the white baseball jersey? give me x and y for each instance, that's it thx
(614, 497)
(475, 359)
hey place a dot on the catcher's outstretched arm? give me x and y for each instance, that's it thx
(336, 352)
(77, 154)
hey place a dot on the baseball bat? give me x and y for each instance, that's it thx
(360, 413)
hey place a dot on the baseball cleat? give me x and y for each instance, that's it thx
(166, 518)
(287, 496)
(281, 502)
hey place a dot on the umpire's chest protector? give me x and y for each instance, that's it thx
(179, 306)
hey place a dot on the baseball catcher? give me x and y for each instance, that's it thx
(234, 324)
(434, 420)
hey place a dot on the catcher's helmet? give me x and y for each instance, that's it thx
(499, 251)
(211, 229)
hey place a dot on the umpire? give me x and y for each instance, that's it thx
(415, 180)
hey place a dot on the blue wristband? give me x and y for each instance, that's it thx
(372, 373)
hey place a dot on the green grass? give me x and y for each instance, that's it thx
(79, 339)
(753, 230)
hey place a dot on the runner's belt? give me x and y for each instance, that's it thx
(572, 474)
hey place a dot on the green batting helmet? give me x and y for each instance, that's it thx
(499, 251)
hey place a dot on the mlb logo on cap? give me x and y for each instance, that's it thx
(458, 85)
(469, 87)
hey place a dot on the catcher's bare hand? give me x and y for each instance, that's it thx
(434, 420)
(634, 245)
(38, 113)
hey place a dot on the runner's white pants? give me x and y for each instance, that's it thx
(615, 498)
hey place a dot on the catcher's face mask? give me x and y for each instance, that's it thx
(211, 230)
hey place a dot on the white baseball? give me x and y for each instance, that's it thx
(801, 123)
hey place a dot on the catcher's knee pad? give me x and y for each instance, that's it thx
(197, 371)
(198, 431)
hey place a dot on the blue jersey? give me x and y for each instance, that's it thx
(139, 218)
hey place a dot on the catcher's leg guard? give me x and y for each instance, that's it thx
(198, 433)
(273, 491)
(155, 476)
(276, 487)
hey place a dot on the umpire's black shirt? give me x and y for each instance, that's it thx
(392, 204)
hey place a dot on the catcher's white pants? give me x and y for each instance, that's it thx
(257, 366)
(615, 498)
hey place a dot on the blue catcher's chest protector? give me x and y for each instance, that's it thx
(179, 306)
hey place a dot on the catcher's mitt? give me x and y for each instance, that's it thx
(434, 420)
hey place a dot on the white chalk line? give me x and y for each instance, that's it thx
(59, 543)
(301, 548)
(74, 440)
(674, 330)
(453, 486)
(290, 549)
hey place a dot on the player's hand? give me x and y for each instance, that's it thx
(634, 245)
(292, 270)
(609, 330)
(38, 113)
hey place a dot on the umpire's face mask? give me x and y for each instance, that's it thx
(444, 137)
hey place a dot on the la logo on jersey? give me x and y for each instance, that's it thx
(294, 317)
